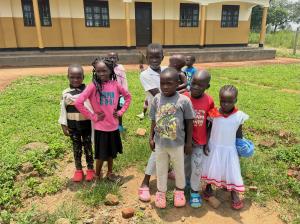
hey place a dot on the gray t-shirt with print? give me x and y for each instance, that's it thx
(169, 114)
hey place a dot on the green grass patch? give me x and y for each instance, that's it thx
(30, 110)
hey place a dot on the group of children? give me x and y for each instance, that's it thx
(186, 128)
(190, 132)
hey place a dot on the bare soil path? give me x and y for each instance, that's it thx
(7, 75)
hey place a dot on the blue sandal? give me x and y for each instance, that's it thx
(195, 200)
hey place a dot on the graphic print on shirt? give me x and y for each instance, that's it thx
(166, 125)
(199, 118)
(107, 98)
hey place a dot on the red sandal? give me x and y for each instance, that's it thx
(237, 205)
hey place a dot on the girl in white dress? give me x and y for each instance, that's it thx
(222, 166)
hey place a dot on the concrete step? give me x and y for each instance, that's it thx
(135, 56)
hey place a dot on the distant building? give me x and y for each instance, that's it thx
(29, 24)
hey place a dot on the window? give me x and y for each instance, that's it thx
(45, 15)
(189, 15)
(230, 16)
(28, 15)
(96, 13)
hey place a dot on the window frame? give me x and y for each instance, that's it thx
(103, 23)
(226, 23)
(42, 15)
(29, 2)
(186, 7)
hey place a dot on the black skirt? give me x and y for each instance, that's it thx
(107, 144)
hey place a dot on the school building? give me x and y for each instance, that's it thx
(87, 24)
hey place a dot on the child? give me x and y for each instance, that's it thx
(76, 125)
(169, 112)
(190, 71)
(178, 62)
(150, 79)
(202, 104)
(222, 166)
(145, 107)
(104, 95)
(122, 80)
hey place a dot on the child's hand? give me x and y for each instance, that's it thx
(188, 149)
(115, 114)
(152, 144)
(141, 66)
(206, 150)
(65, 130)
(101, 116)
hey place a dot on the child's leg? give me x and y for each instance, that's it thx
(177, 157)
(162, 167)
(77, 149)
(187, 168)
(88, 151)
(99, 164)
(120, 121)
(150, 170)
(110, 163)
(236, 202)
(196, 164)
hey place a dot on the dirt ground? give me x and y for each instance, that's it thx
(7, 75)
(250, 214)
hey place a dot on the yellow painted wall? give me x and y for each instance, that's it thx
(68, 25)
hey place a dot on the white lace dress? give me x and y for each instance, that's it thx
(222, 166)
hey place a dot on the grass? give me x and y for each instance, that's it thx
(30, 109)
(283, 41)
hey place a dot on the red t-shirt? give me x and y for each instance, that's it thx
(201, 107)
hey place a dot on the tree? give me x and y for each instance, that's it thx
(278, 14)
(294, 9)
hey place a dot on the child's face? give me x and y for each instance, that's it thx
(189, 61)
(154, 58)
(227, 101)
(198, 86)
(75, 76)
(168, 84)
(103, 72)
(113, 56)
(177, 63)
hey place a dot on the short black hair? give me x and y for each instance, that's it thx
(77, 66)
(173, 71)
(229, 88)
(204, 73)
(155, 46)
(192, 57)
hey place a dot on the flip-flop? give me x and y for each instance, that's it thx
(206, 195)
(237, 205)
(114, 178)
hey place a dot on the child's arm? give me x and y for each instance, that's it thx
(63, 118)
(79, 104)
(127, 98)
(208, 131)
(123, 78)
(151, 137)
(181, 88)
(239, 132)
(189, 134)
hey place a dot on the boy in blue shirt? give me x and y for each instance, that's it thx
(190, 70)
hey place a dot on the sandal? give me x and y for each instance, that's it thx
(78, 176)
(206, 195)
(114, 178)
(90, 175)
(179, 198)
(144, 194)
(195, 200)
(160, 200)
(237, 205)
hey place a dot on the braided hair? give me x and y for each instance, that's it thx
(229, 88)
(96, 80)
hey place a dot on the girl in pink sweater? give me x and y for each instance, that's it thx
(103, 94)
